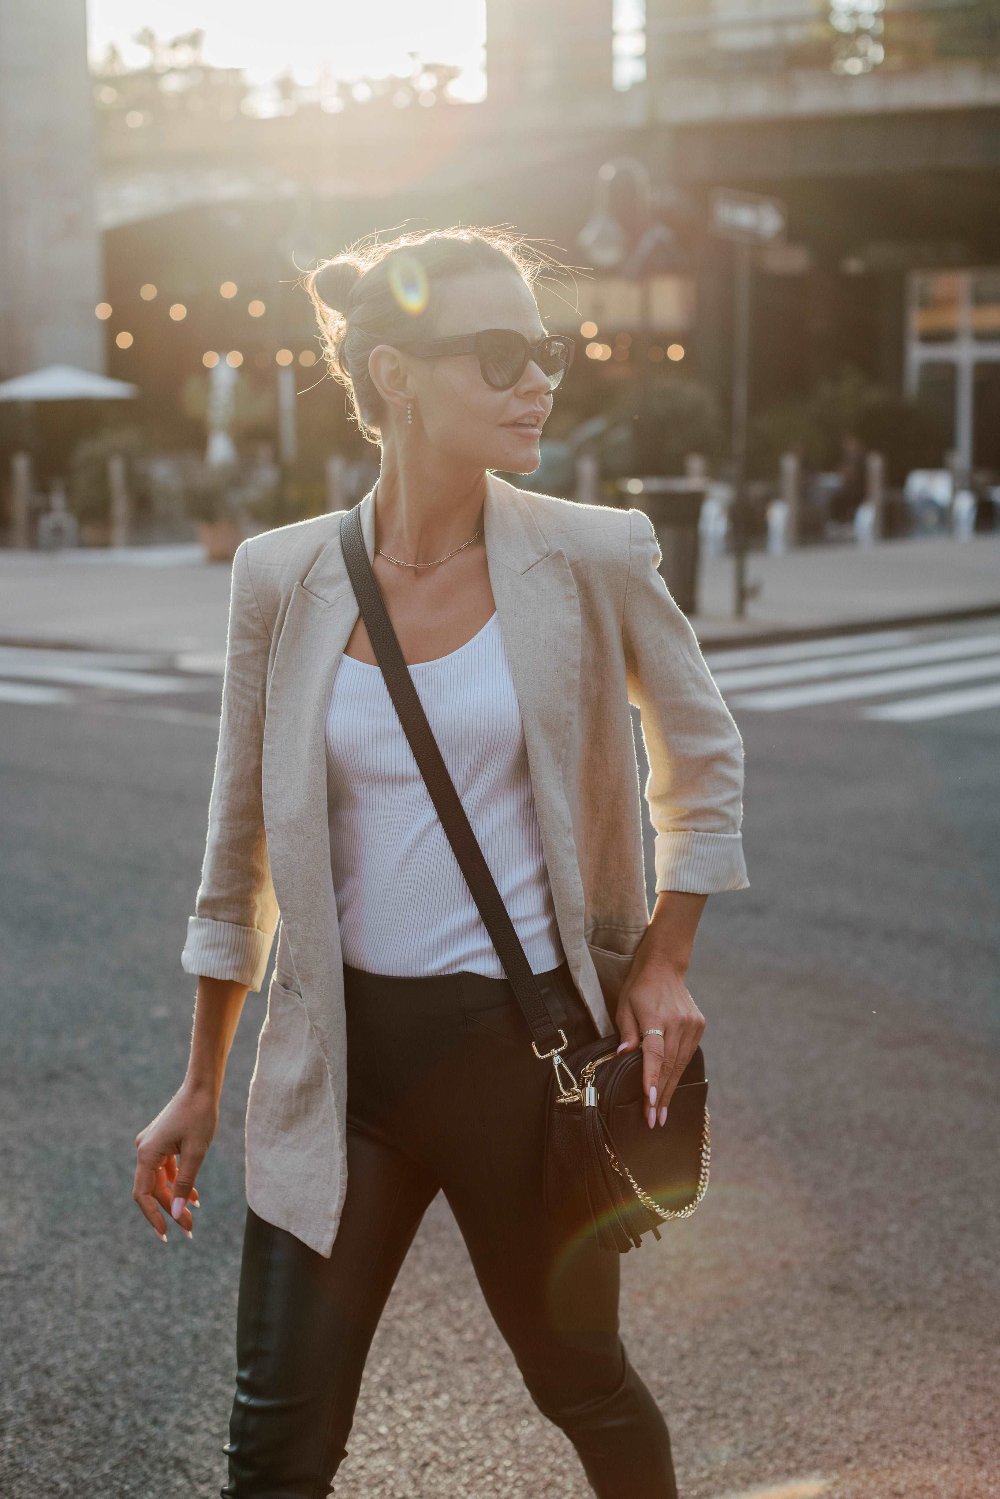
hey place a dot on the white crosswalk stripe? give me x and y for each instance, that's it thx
(800, 650)
(53, 676)
(939, 704)
(900, 665)
(31, 692)
(834, 670)
(792, 671)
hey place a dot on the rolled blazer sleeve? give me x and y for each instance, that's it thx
(230, 934)
(694, 789)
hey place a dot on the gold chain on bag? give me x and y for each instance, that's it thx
(649, 1202)
(585, 1093)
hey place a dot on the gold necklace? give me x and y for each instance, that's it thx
(429, 564)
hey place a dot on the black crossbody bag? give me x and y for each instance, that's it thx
(605, 1172)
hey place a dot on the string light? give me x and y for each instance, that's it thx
(307, 357)
(210, 359)
(147, 292)
(178, 311)
(284, 356)
(124, 340)
(234, 358)
(256, 308)
(228, 289)
(103, 309)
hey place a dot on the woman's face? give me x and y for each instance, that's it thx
(457, 414)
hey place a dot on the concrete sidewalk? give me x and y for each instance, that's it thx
(167, 600)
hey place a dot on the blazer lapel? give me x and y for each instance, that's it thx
(539, 613)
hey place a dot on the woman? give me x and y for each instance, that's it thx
(394, 1061)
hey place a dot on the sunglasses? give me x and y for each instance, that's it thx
(503, 353)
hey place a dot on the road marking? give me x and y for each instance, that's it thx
(206, 663)
(59, 656)
(27, 692)
(800, 650)
(159, 712)
(884, 681)
(938, 705)
(935, 650)
(95, 676)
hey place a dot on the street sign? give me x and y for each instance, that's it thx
(748, 216)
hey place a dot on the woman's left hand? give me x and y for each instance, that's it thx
(654, 994)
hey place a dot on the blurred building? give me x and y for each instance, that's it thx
(50, 250)
(877, 124)
(553, 52)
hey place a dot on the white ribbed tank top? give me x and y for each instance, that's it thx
(402, 901)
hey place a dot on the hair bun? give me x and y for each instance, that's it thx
(335, 281)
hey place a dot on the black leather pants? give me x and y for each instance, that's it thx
(444, 1093)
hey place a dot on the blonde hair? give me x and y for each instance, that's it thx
(376, 292)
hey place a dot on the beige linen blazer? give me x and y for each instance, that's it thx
(589, 627)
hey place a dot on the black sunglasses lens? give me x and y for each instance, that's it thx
(555, 358)
(503, 357)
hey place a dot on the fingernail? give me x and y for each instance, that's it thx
(187, 1231)
(663, 1114)
(652, 1093)
(177, 1206)
(623, 1046)
(652, 1118)
(194, 1202)
(161, 1235)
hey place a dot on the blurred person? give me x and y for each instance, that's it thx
(850, 492)
(395, 1061)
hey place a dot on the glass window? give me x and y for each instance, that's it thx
(986, 304)
(936, 390)
(936, 314)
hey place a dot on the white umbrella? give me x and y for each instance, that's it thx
(63, 382)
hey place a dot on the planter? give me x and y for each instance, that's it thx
(220, 538)
(95, 533)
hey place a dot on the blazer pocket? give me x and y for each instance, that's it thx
(612, 969)
(290, 1075)
(293, 1164)
(287, 983)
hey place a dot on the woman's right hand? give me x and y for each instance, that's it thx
(183, 1129)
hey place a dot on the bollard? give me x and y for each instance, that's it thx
(875, 494)
(778, 514)
(963, 515)
(865, 522)
(120, 509)
(20, 483)
(336, 482)
(587, 473)
(790, 482)
(713, 526)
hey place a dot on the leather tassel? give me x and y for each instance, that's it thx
(612, 1230)
(620, 1195)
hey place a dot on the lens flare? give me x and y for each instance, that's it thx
(409, 284)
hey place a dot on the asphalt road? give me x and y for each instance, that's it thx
(825, 1324)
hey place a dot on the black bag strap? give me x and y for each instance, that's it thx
(442, 788)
